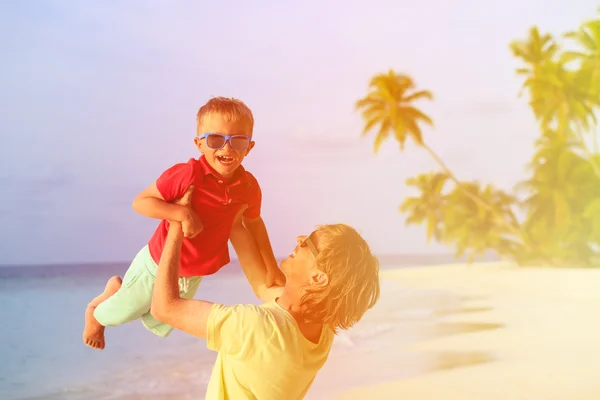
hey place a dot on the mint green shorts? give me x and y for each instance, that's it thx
(133, 299)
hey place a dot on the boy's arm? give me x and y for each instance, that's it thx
(252, 261)
(258, 230)
(254, 223)
(150, 203)
(159, 199)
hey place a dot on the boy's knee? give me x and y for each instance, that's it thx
(101, 317)
(111, 316)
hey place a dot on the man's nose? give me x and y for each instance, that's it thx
(300, 239)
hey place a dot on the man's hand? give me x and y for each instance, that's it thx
(190, 316)
(275, 278)
(191, 223)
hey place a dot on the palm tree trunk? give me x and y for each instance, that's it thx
(513, 229)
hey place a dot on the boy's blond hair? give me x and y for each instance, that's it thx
(230, 109)
(353, 274)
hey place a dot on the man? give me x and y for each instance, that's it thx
(275, 350)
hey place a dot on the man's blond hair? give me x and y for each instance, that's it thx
(227, 108)
(353, 278)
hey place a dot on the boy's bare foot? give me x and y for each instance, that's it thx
(93, 332)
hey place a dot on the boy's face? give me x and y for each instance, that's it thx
(226, 159)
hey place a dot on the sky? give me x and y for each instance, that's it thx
(98, 98)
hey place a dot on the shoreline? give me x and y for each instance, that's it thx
(538, 338)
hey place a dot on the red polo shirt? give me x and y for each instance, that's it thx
(216, 202)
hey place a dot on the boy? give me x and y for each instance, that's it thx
(223, 189)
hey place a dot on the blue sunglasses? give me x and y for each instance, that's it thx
(217, 141)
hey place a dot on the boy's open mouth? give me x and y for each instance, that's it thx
(225, 160)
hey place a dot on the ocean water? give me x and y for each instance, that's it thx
(43, 355)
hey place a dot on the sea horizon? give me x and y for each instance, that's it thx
(390, 259)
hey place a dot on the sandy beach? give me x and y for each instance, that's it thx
(536, 333)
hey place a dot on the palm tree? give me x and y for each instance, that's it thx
(535, 52)
(559, 97)
(478, 230)
(389, 105)
(429, 206)
(560, 189)
(565, 103)
(587, 38)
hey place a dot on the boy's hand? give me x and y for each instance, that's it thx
(191, 223)
(275, 277)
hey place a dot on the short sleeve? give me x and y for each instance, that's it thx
(173, 183)
(236, 330)
(254, 199)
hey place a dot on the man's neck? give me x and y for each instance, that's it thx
(292, 303)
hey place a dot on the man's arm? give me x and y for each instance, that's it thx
(190, 316)
(252, 261)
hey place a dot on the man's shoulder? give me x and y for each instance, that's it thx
(252, 312)
(243, 310)
(247, 316)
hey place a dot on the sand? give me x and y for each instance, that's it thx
(547, 345)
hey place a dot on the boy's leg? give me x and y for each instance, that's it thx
(128, 302)
(161, 329)
(93, 332)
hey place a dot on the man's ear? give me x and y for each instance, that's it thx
(320, 278)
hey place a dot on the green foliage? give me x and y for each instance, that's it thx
(430, 206)
(389, 105)
(561, 188)
(455, 218)
(560, 97)
(476, 230)
(564, 185)
(561, 197)
(389, 109)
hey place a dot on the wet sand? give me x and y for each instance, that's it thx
(519, 333)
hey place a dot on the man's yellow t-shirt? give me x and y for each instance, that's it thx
(262, 353)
